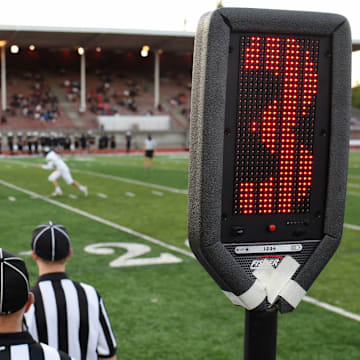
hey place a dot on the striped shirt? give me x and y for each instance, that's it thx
(70, 316)
(21, 346)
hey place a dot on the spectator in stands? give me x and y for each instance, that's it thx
(186, 113)
(41, 103)
(132, 105)
(149, 152)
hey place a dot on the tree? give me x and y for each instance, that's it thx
(356, 97)
(219, 4)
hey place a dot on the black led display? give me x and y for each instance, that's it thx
(269, 142)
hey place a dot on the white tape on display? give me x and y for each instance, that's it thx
(271, 283)
(293, 293)
(251, 298)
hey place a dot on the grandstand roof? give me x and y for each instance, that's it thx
(356, 45)
(123, 39)
(58, 37)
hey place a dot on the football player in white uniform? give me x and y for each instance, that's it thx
(54, 161)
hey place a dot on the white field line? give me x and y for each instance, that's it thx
(157, 193)
(130, 194)
(352, 227)
(353, 193)
(171, 247)
(117, 178)
(131, 181)
(332, 308)
(98, 219)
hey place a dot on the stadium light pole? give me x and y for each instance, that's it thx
(81, 52)
(3, 74)
(157, 79)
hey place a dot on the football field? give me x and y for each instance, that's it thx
(129, 238)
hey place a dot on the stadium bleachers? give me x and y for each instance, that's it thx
(119, 74)
(31, 104)
(130, 95)
(105, 95)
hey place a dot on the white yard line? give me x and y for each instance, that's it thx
(130, 194)
(308, 299)
(98, 219)
(157, 193)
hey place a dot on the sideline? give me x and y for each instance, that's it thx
(308, 299)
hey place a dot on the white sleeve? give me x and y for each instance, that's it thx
(106, 346)
(48, 166)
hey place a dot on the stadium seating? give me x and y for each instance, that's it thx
(125, 91)
(31, 104)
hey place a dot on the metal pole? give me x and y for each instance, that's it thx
(82, 83)
(260, 335)
(3, 78)
(157, 79)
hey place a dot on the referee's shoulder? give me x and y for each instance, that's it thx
(90, 289)
(51, 353)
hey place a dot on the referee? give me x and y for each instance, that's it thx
(67, 315)
(15, 299)
(149, 152)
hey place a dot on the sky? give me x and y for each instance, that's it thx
(150, 14)
(156, 14)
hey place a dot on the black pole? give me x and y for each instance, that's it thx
(260, 335)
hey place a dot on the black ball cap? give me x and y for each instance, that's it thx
(51, 241)
(14, 283)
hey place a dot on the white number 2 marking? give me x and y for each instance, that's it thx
(133, 250)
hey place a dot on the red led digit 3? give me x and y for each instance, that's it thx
(278, 79)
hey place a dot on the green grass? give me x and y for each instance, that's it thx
(171, 311)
